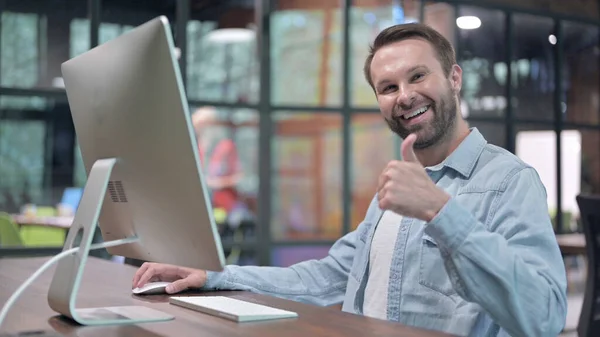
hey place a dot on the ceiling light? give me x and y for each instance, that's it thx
(552, 39)
(468, 22)
(58, 82)
(231, 35)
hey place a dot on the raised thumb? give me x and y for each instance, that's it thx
(177, 286)
(407, 149)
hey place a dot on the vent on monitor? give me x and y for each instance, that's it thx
(116, 191)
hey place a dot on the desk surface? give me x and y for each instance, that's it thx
(572, 243)
(106, 283)
(50, 221)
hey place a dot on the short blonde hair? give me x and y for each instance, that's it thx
(204, 115)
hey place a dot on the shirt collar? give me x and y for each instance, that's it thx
(465, 156)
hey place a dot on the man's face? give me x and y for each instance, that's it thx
(413, 93)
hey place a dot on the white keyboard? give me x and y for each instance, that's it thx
(230, 308)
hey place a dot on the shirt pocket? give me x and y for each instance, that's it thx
(432, 272)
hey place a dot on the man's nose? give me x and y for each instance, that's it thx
(406, 96)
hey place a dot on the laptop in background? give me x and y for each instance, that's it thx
(71, 197)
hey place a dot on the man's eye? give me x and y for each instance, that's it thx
(388, 88)
(417, 77)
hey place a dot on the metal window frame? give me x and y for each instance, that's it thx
(264, 107)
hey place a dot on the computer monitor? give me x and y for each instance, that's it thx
(137, 142)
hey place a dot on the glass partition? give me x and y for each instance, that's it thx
(306, 176)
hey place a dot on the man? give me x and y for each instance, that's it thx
(219, 158)
(458, 237)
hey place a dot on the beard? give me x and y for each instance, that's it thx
(431, 132)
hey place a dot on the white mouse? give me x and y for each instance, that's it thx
(151, 288)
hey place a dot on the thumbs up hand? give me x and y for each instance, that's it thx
(406, 189)
(408, 150)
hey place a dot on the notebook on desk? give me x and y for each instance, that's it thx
(231, 308)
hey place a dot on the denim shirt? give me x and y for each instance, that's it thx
(488, 264)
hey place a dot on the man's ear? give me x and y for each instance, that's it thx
(456, 78)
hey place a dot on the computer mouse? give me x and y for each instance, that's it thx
(151, 288)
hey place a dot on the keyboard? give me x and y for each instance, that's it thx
(231, 308)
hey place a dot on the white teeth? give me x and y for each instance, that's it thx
(416, 112)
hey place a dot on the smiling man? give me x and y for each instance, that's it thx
(458, 237)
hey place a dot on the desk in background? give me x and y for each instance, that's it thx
(571, 244)
(108, 284)
(49, 221)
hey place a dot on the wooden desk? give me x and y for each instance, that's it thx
(50, 221)
(572, 243)
(108, 284)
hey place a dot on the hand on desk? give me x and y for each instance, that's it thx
(181, 278)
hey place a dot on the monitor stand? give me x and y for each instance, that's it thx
(63, 290)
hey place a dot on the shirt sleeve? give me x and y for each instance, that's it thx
(320, 282)
(512, 267)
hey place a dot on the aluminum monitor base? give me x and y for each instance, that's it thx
(65, 284)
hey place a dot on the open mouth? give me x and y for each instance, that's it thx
(416, 113)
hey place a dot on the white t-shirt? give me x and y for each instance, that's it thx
(380, 262)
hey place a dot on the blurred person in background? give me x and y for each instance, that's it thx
(221, 166)
(219, 159)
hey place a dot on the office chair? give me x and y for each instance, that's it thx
(9, 232)
(589, 320)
